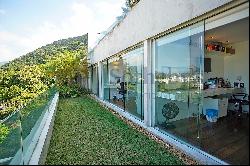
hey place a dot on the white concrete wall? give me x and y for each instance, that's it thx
(238, 64)
(148, 18)
(231, 66)
(217, 66)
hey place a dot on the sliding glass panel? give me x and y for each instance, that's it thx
(178, 64)
(116, 77)
(225, 117)
(89, 77)
(105, 76)
(196, 77)
(133, 69)
(95, 84)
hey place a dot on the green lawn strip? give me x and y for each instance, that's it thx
(87, 133)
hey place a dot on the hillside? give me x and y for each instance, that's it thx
(56, 64)
(44, 53)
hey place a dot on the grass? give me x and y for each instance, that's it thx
(86, 133)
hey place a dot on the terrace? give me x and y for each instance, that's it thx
(84, 132)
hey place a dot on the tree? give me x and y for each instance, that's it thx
(66, 66)
(25, 78)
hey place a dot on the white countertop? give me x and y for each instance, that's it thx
(217, 91)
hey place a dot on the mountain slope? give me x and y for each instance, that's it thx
(44, 53)
(24, 79)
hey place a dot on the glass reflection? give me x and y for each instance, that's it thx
(116, 80)
(133, 69)
(178, 76)
(95, 83)
(123, 83)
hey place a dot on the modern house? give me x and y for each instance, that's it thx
(180, 69)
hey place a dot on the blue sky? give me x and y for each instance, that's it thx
(29, 24)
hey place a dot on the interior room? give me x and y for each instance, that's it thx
(116, 83)
(219, 123)
(226, 91)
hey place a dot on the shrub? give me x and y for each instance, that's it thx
(73, 90)
(4, 131)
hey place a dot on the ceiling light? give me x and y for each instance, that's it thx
(211, 37)
(227, 41)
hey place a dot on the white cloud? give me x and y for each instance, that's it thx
(5, 53)
(83, 19)
(12, 46)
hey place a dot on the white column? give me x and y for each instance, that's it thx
(153, 118)
(148, 77)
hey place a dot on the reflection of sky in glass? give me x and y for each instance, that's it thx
(174, 55)
(179, 55)
(135, 57)
(133, 61)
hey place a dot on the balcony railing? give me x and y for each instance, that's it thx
(20, 132)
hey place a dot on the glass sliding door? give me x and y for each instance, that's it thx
(115, 77)
(95, 80)
(89, 77)
(178, 78)
(123, 82)
(196, 77)
(105, 76)
(133, 70)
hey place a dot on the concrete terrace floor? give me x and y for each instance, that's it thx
(87, 133)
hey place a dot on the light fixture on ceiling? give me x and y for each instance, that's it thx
(211, 37)
(227, 41)
(115, 63)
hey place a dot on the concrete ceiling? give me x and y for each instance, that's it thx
(234, 32)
